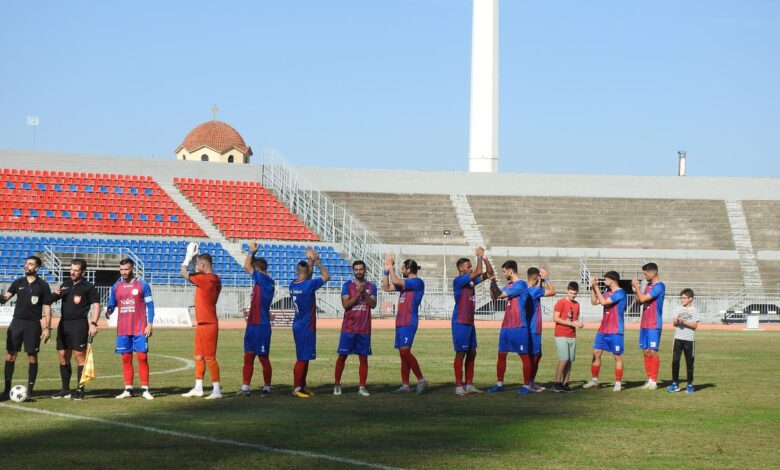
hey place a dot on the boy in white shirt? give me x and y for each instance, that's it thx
(686, 320)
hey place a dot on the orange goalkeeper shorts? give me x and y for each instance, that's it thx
(206, 340)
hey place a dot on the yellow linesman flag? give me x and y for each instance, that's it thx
(89, 366)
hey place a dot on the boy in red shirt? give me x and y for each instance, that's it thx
(567, 319)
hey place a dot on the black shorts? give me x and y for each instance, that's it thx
(72, 334)
(27, 332)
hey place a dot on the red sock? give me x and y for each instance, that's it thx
(526, 368)
(143, 368)
(340, 363)
(298, 371)
(200, 369)
(267, 370)
(404, 366)
(618, 375)
(305, 373)
(363, 370)
(648, 367)
(249, 367)
(458, 366)
(535, 366)
(501, 366)
(127, 368)
(470, 369)
(412, 362)
(656, 367)
(594, 371)
(213, 368)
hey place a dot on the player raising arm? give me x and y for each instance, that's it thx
(208, 286)
(411, 288)
(610, 334)
(257, 337)
(464, 334)
(303, 292)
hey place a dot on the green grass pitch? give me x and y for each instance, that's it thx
(733, 421)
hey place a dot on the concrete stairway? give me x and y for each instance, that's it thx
(747, 258)
(466, 220)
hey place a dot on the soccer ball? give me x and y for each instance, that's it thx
(18, 393)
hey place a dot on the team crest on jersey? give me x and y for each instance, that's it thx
(34, 300)
(76, 299)
(135, 292)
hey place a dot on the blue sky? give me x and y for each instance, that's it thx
(588, 86)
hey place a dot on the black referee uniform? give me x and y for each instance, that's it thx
(77, 300)
(73, 329)
(25, 329)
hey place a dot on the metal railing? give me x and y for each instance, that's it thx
(330, 221)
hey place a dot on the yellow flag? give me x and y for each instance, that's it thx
(89, 367)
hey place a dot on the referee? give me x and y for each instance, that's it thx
(78, 296)
(32, 302)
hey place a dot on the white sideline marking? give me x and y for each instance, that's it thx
(188, 364)
(212, 440)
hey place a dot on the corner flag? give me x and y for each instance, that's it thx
(89, 366)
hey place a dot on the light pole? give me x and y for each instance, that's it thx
(33, 121)
(446, 233)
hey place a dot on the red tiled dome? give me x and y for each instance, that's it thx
(216, 135)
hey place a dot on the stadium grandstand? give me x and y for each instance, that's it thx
(715, 235)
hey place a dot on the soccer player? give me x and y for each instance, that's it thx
(464, 334)
(686, 320)
(539, 286)
(652, 300)
(303, 292)
(33, 302)
(411, 288)
(610, 334)
(78, 297)
(514, 336)
(133, 297)
(207, 289)
(358, 297)
(257, 337)
(566, 316)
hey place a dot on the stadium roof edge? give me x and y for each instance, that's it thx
(416, 182)
(541, 184)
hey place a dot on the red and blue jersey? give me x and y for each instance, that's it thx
(516, 297)
(260, 300)
(533, 309)
(465, 300)
(409, 301)
(357, 319)
(304, 302)
(612, 319)
(653, 311)
(134, 304)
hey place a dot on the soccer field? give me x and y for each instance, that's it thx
(732, 421)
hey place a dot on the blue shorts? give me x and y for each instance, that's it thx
(612, 343)
(257, 339)
(464, 337)
(404, 336)
(536, 344)
(649, 338)
(305, 344)
(354, 343)
(131, 343)
(514, 340)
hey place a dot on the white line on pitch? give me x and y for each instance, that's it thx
(188, 364)
(213, 440)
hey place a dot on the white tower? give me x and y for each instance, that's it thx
(483, 125)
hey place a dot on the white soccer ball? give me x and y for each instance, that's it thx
(18, 394)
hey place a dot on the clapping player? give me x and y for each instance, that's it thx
(539, 285)
(257, 337)
(610, 335)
